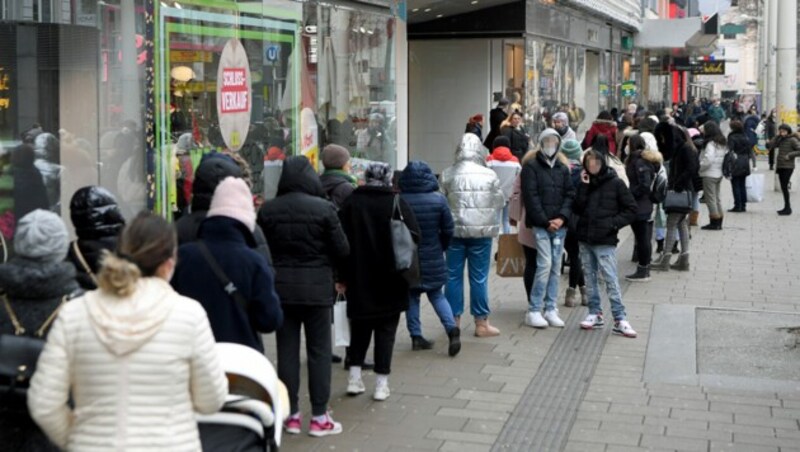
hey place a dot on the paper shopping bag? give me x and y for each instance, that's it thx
(510, 257)
(341, 326)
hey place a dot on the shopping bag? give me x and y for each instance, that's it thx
(755, 187)
(510, 257)
(341, 326)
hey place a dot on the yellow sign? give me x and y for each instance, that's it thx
(788, 115)
(190, 56)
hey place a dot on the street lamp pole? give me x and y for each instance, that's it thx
(772, 41)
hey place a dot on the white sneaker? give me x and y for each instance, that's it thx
(381, 393)
(592, 321)
(535, 320)
(553, 319)
(355, 386)
(623, 328)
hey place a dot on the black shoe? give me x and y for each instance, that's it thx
(660, 246)
(675, 249)
(642, 274)
(455, 341)
(336, 359)
(785, 212)
(420, 343)
(736, 210)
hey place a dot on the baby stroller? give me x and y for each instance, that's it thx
(252, 418)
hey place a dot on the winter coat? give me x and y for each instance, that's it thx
(233, 247)
(516, 212)
(750, 125)
(716, 113)
(306, 236)
(604, 206)
(374, 288)
(420, 190)
(683, 169)
(711, 160)
(337, 185)
(568, 134)
(602, 127)
(496, 117)
(739, 144)
(788, 150)
(30, 192)
(519, 138)
(137, 369)
(547, 191)
(34, 291)
(507, 168)
(91, 251)
(669, 139)
(642, 168)
(474, 195)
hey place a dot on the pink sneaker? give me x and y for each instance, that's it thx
(293, 425)
(325, 428)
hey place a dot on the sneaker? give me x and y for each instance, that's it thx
(326, 428)
(355, 386)
(623, 328)
(381, 393)
(535, 320)
(553, 319)
(592, 321)
(293, 425)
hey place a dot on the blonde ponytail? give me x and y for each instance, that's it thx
(118, 276)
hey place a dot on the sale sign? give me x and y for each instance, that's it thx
(234, 94)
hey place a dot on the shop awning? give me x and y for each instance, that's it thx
(692, 34)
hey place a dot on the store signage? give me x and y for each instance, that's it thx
(5, 89)
(272, 52)
(709, 68)
(604, 89)
(190, 56)
(234, 89)
(309, 133)
(629, 88)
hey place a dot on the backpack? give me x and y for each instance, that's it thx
(728, 164)
(658, 191)
(619, 167)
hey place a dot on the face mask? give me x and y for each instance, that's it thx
(562, 130)
(550, 151)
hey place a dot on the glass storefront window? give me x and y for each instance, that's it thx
(554, 70)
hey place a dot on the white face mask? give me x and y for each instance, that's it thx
(550, 151)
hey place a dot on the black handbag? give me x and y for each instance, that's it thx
(19, 353)
(678, 202)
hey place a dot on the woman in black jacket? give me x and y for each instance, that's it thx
(98, 221)
(683, 169)
(740, 145)
(376, 292)
(306, 240)
(519, 138)
(642, 167)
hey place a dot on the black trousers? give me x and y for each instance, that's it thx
(576, 278)
(643, 235)
(316, 321)
(784, 177)
(530, 269)
(361, 332)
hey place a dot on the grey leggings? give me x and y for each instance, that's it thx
(677, 222)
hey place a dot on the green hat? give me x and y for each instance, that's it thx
(571, 149)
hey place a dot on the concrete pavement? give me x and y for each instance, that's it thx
(615, 398)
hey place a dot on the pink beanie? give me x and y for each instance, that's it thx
(232, 199)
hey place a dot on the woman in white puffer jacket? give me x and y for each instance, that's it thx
(711, 160)
(136, 358)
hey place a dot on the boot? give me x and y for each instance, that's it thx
(642, 274)
(675, 249)
(660, 246)
(710, 226)
(455, 341)
(662, 263)
(483, 329)
(682, 265)
(420, 343)
(715, 225)
(571, 299)
(785, 212)
(584, 296)
(719, 223)
(693, 217)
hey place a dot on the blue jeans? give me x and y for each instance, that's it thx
(504, 222)
(549, 249)
(597, 260)
(440, 305)
(478, 252)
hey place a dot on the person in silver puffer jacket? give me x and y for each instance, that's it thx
(475, 198)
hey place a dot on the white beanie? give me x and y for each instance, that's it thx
(232, 199)
(41, 236)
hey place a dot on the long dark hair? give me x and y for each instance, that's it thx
(636, 145)
(712, 132)
(600, 143)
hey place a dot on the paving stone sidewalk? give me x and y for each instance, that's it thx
(463, 403)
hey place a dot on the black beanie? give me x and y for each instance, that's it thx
(501, 140)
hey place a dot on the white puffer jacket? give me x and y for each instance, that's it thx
(137, 369)
(711, 160)
(473, 191)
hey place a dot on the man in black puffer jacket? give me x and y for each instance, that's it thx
(547, 193)
(307, 240)
(604, 205)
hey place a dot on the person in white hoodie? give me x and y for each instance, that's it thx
(711, 158)
(127, 366)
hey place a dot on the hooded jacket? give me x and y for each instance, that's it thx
(604, 206)
(788, 149)
(98, 221)
(137, 369)
(519, 138)
(420, 190)
(507, 168)
(338, 185)
(473, 192)
(602, 127)
(547, 191)
(305, 234)
(642, 168)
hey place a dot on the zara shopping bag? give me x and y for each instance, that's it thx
(341, 326)
(510, 257)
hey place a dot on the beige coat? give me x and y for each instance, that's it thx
(137, 369)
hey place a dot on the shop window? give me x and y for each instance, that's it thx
(552, 75)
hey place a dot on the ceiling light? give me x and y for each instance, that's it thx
(439, 15)
(415, 10)
(474, 2)
(427, 10)
(178, 5)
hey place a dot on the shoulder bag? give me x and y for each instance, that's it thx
(406, 260)
(83, 262)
